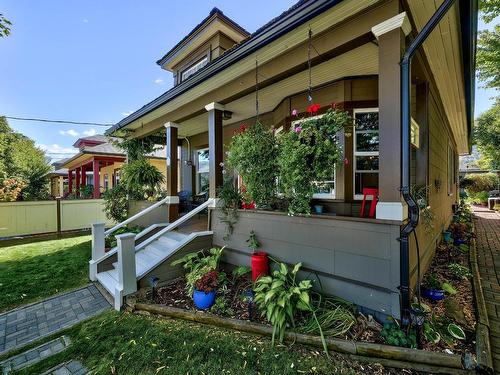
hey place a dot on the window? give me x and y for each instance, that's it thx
(202, 170)
(322, 189)
(366, 150)
(116, 177)
(415, 133)
(106, 182)
(194, 68)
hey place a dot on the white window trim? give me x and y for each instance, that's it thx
(197, 161)
(361, 153)
(317, 195)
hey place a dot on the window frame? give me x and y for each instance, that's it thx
(361, 153)
(202, 62)
(197, 163)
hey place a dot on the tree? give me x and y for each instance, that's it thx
(488, 57)
(487, 135)
(21, 160)
(489, 9)
(4, 26)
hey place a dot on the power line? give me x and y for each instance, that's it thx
(57, 121)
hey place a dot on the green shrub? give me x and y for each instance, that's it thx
(252, 153)
(116, 203)
(479, 197)
(141, 179)
(479, 182)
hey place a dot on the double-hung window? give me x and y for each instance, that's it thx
(366, 150)
(202, 170)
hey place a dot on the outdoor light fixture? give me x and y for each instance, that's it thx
(226, 115)
(153, 283)
(417, 315)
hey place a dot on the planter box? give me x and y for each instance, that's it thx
(158, 215)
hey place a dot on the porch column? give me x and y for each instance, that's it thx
(391, 41)
(83, 174)
(77, 178)
(171, 131)
(95, 170)
(215, 147)
(61, 185)
(70, 181)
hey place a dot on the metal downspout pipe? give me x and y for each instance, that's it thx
(413, 209)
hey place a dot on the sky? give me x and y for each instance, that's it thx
(95, 61)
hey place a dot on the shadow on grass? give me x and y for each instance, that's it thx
(36, 271)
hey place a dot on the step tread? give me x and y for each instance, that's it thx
(108, 281)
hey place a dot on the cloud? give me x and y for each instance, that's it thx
(90, 133)
(57, 150)
(159, 81)
(85, 20)
(70, 132)
(128, 113)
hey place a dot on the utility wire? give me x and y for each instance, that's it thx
(57, 121)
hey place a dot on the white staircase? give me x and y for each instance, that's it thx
(135, 261)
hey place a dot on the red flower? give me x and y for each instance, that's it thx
(243, 128)
(313, 108)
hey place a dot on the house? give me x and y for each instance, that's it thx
(100, 160)
(418, 121)
(58, 180)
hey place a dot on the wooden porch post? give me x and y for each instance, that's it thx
(83, 174)
(70, 181)
(391, 40)
(77, 178)
(61, 185)
(95, 170)
(171, 132)
(215, 146)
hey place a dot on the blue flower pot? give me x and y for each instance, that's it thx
(432, 294)
(446, 236)
(458, 241)
(202, 300)
(318, 209)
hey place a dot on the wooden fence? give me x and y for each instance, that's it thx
(26, 218)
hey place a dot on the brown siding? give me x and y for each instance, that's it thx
(356, 259)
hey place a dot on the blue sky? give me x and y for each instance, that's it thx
(94, 61)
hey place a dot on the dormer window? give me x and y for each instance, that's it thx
(194, 68)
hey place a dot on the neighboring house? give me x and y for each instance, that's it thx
(99, 160)
(58, 179)
(357, 50)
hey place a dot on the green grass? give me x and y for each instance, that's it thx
(34, 271)
(130, 344)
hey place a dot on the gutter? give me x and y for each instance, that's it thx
(299, 16)
(467, 44)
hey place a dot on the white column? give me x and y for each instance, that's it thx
(127, 279)
(97, 248)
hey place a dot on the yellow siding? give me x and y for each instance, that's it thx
(109, 170)
(21, 218)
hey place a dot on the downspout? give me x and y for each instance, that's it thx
(413, 209)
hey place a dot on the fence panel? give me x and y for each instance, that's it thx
(80, 214)
(21, 218)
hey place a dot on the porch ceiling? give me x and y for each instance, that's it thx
(360, 61)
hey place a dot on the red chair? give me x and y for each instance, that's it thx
(374, 194)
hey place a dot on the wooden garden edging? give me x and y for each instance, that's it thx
(392, 356)
(483, 347)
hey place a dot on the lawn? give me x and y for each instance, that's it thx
(132, 344)
(33, 271)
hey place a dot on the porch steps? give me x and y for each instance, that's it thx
(149, 257)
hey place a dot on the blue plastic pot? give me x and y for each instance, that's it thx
(458, 241)
(432, 294)
(446, 236)
(202, 300)
(318, 209)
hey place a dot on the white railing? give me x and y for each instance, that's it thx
(138, 215)
(98, 234)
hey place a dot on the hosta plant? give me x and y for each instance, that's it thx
(281, 296)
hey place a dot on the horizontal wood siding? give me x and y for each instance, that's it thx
(358, 261)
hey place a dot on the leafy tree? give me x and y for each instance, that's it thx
(488, 57)
(489, 9)
(487, 135)
(22, 160)
(4, 26)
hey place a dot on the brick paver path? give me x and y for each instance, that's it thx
(68, 368)
(487, 225)
(26, 324)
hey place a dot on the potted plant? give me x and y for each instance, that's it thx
(260, 260)
(432, 288)
(205, 290)
(446, 236)
(319, 208)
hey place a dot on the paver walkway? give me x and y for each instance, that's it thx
(68, 368)
(487, 225)
(26, 324)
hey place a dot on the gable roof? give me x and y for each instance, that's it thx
(214, 13)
